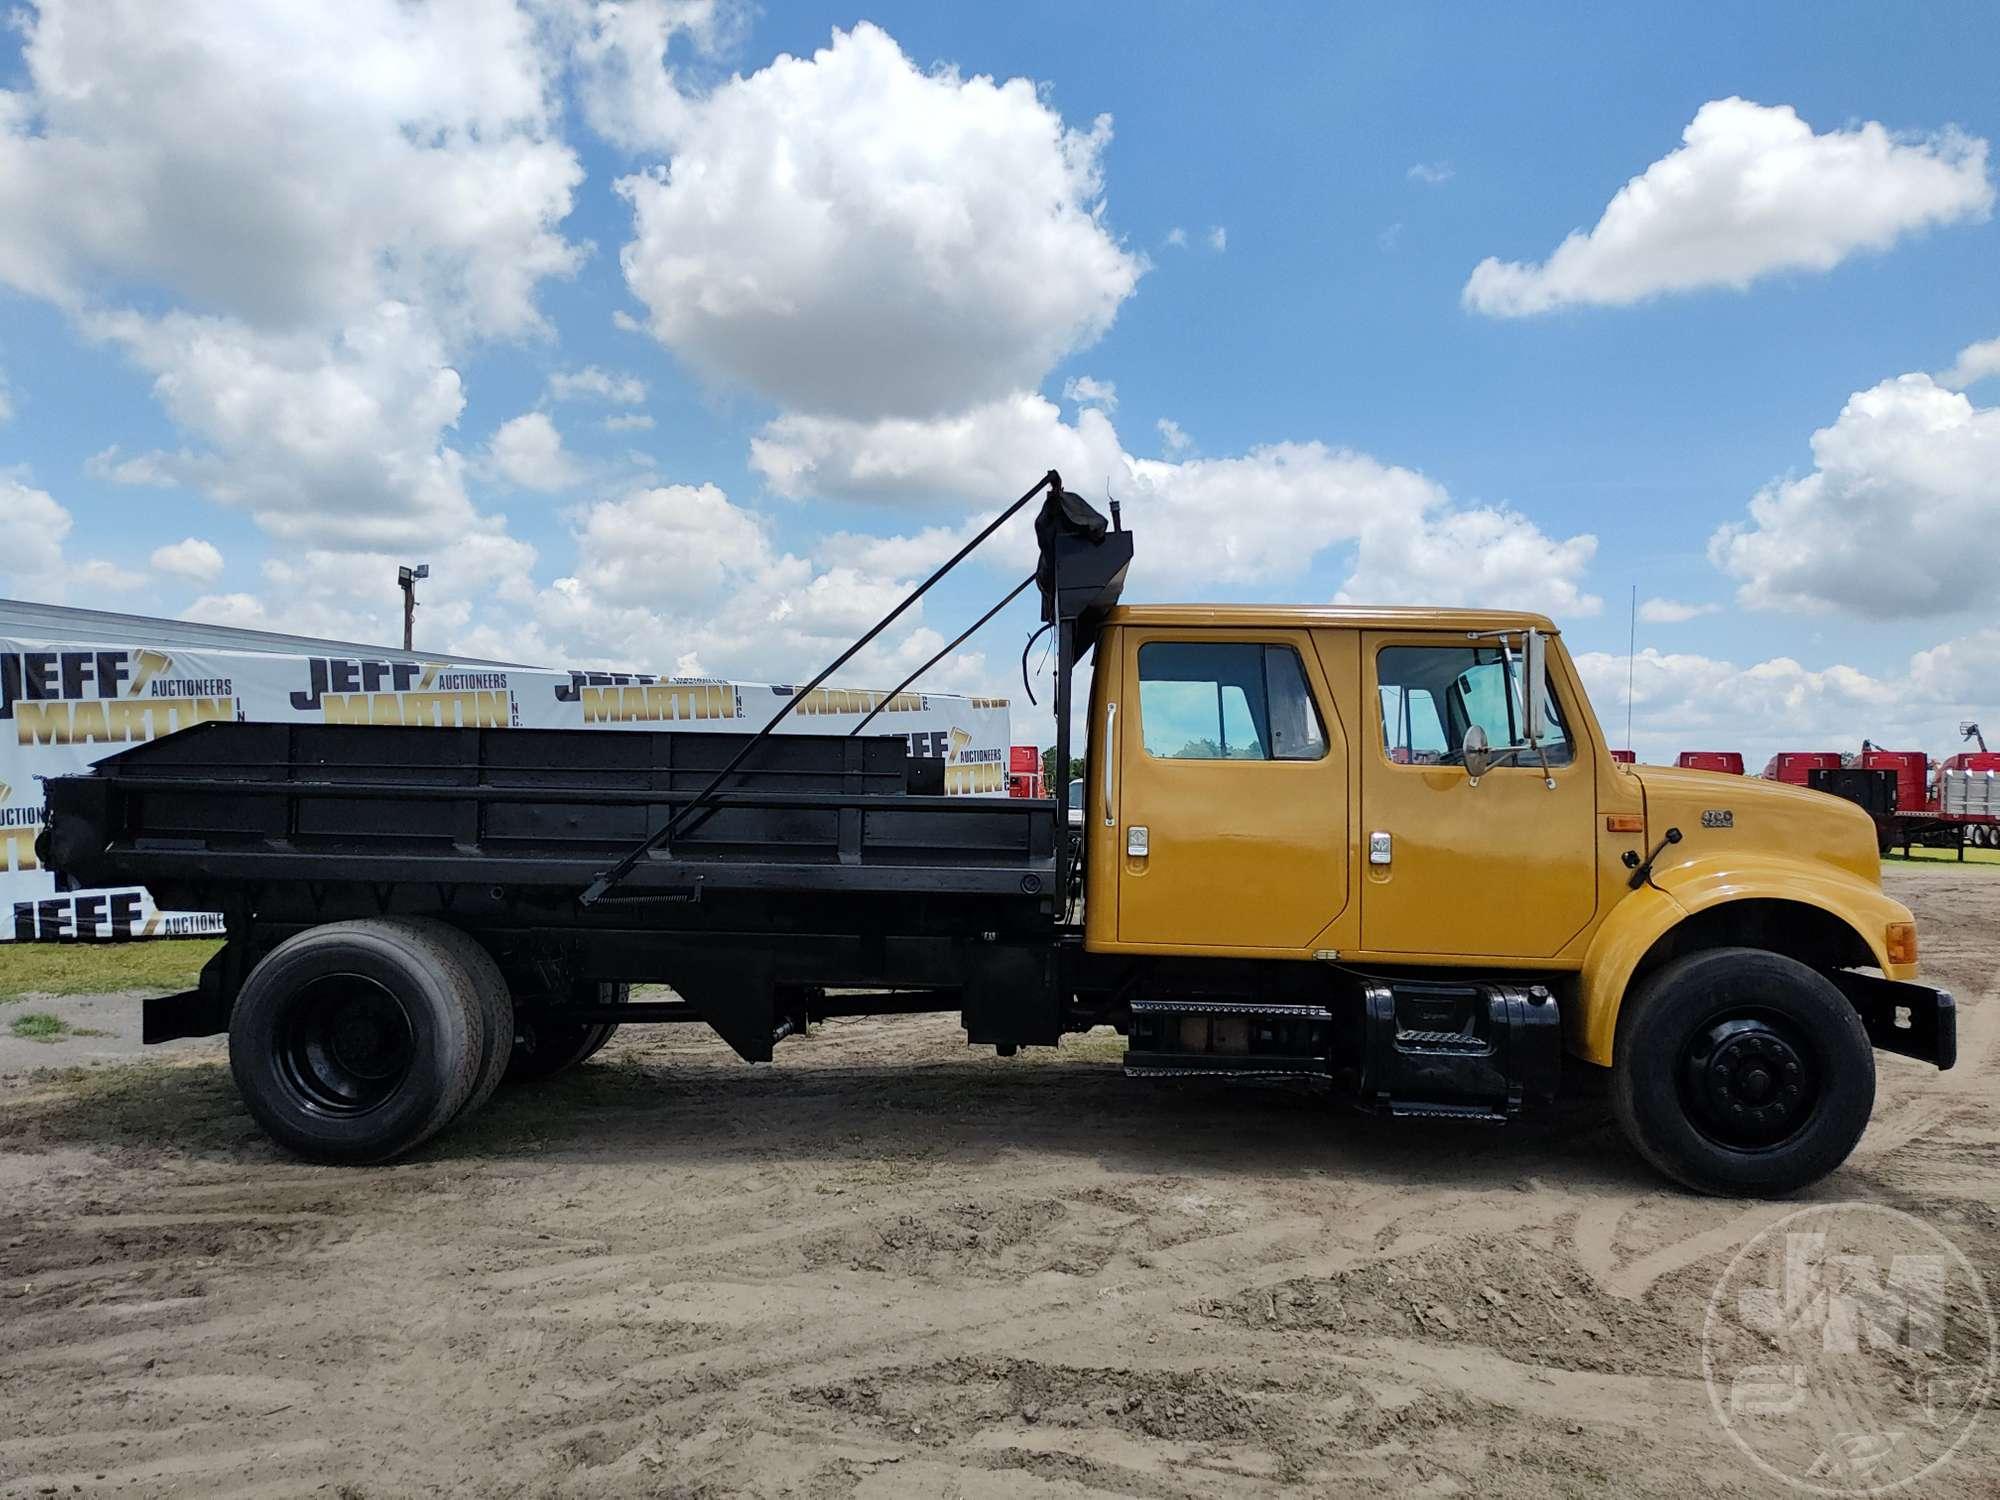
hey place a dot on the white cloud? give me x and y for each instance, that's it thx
(1172, 438)
(6, 402)
(320, 210)
(35, 563)
(1683, 701)
(678, 541)
(291, 166)
(1674, 611)
(592, 383)
(1751, 191)
(1431, 173)
(1487, 556)
(1086, 391)
(158, 470)
(679, 578)
(977, 456)
(190, 558)
(323, 441)
(1976, 362)
(630, 421)
(1257, 518)
(1218, 238)
(633, 93)
(1891, 521)
(848, 234)
(528, 451)
(1177, 238)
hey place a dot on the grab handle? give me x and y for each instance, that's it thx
(1110, 760)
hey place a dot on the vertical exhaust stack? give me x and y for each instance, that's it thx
(1081, 574)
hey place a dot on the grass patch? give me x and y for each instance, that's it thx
(38, 1026)
(161, 964)
(1921, 856)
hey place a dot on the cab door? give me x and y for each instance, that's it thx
(1501, 868)
(1231, 807)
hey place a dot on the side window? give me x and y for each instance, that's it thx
(1432, 694)
(1218, 700)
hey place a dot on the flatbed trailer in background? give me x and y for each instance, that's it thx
(1954, 805)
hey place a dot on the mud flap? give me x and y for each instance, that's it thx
(735, 994)
(197, 1012)
(1011, 997)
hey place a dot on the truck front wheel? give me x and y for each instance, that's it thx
(356, 1041)
(1741, 1072)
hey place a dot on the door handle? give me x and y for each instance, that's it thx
(1110, 762)
(1379, 848)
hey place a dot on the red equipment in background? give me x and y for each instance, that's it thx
(1793, 766)
(1625, 757)
(1912, 768)
(1730, 761)
(1024, 771)
(1957, 807)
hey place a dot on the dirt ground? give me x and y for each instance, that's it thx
(887, 1266)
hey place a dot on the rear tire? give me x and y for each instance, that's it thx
(496, 1007)
(357, 1041)
(1741, 1073)
(545, 1047)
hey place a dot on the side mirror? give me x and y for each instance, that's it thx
(1534, 665)
(1478, 756)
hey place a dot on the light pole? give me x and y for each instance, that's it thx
(406, 580)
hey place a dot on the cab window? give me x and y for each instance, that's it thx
(1431, 695)
(1218, 700)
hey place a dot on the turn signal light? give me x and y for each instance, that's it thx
(1901, 941)
(1624, 823)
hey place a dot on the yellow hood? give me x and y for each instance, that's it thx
(1716, 812)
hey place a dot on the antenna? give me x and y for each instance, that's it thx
(1631, 656)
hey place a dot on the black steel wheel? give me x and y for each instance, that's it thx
(345, 1045)
(1749, 1079)
(356, 1041)
(1741, 1072)
(545, 1045)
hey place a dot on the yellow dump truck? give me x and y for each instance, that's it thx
(1383, 853)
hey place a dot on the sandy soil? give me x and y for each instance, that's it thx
(886, 1265)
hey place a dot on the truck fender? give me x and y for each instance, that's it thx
(1639, 921)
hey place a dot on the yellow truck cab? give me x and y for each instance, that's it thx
(1409, 822)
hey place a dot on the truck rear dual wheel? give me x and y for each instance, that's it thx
(544, 1047)
(1741, 1072)
(357, 1041)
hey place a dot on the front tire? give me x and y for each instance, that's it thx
(1741, 1073)
(357, 1041)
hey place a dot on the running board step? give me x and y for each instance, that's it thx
(1228, 1039)
(1458, 1051)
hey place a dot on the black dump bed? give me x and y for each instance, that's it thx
(226, 805)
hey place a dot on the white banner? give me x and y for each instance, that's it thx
(63, 707)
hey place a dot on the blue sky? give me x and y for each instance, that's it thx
(217, 328)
